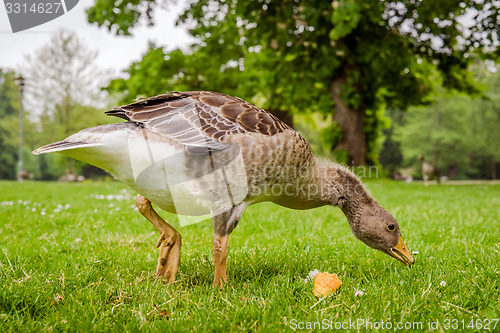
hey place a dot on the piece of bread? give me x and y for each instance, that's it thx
(325, 284)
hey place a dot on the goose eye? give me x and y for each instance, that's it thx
(391, 226)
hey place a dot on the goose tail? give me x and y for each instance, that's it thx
(63, 145)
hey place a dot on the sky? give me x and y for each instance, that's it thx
(115, 52)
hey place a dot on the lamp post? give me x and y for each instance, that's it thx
(20, 85)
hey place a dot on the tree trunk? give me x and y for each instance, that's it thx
(284, 116)
(71, 166)
(351, 124)
(493, 167)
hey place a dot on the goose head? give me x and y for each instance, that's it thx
(377, 228)
(369, 222)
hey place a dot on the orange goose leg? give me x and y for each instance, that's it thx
(221, 244)
(169, 241)
(223, 225)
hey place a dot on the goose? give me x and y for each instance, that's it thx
(429, 170)
(204, 153)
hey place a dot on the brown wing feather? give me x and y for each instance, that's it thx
(190, 116)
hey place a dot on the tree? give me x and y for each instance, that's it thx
(391, 157)
(459, 134)
(484, 124)
(61, 77)
(9, 130)
(9, 110)
(437, 133)
(360, 55)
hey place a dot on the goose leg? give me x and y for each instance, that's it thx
(223, 225)
(169, 241)
(221, 245)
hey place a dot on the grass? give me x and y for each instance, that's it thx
(88, 265)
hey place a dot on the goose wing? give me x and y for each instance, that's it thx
(199, 118)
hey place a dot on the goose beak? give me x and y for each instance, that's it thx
(401, 253)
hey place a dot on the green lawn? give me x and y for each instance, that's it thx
(89, 264)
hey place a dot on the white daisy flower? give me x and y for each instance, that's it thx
(312, 274)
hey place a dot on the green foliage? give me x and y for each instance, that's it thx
(286, 54)
(9, 131)
(120, 16)
(332, 134)
(457, 132)
(345, 18)
(391, 157)
(312, 126)
(9, 113)
(375, 122)
(360, 40)
(437, 132)
(341, 156)
(90, 267)
(158, 72)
